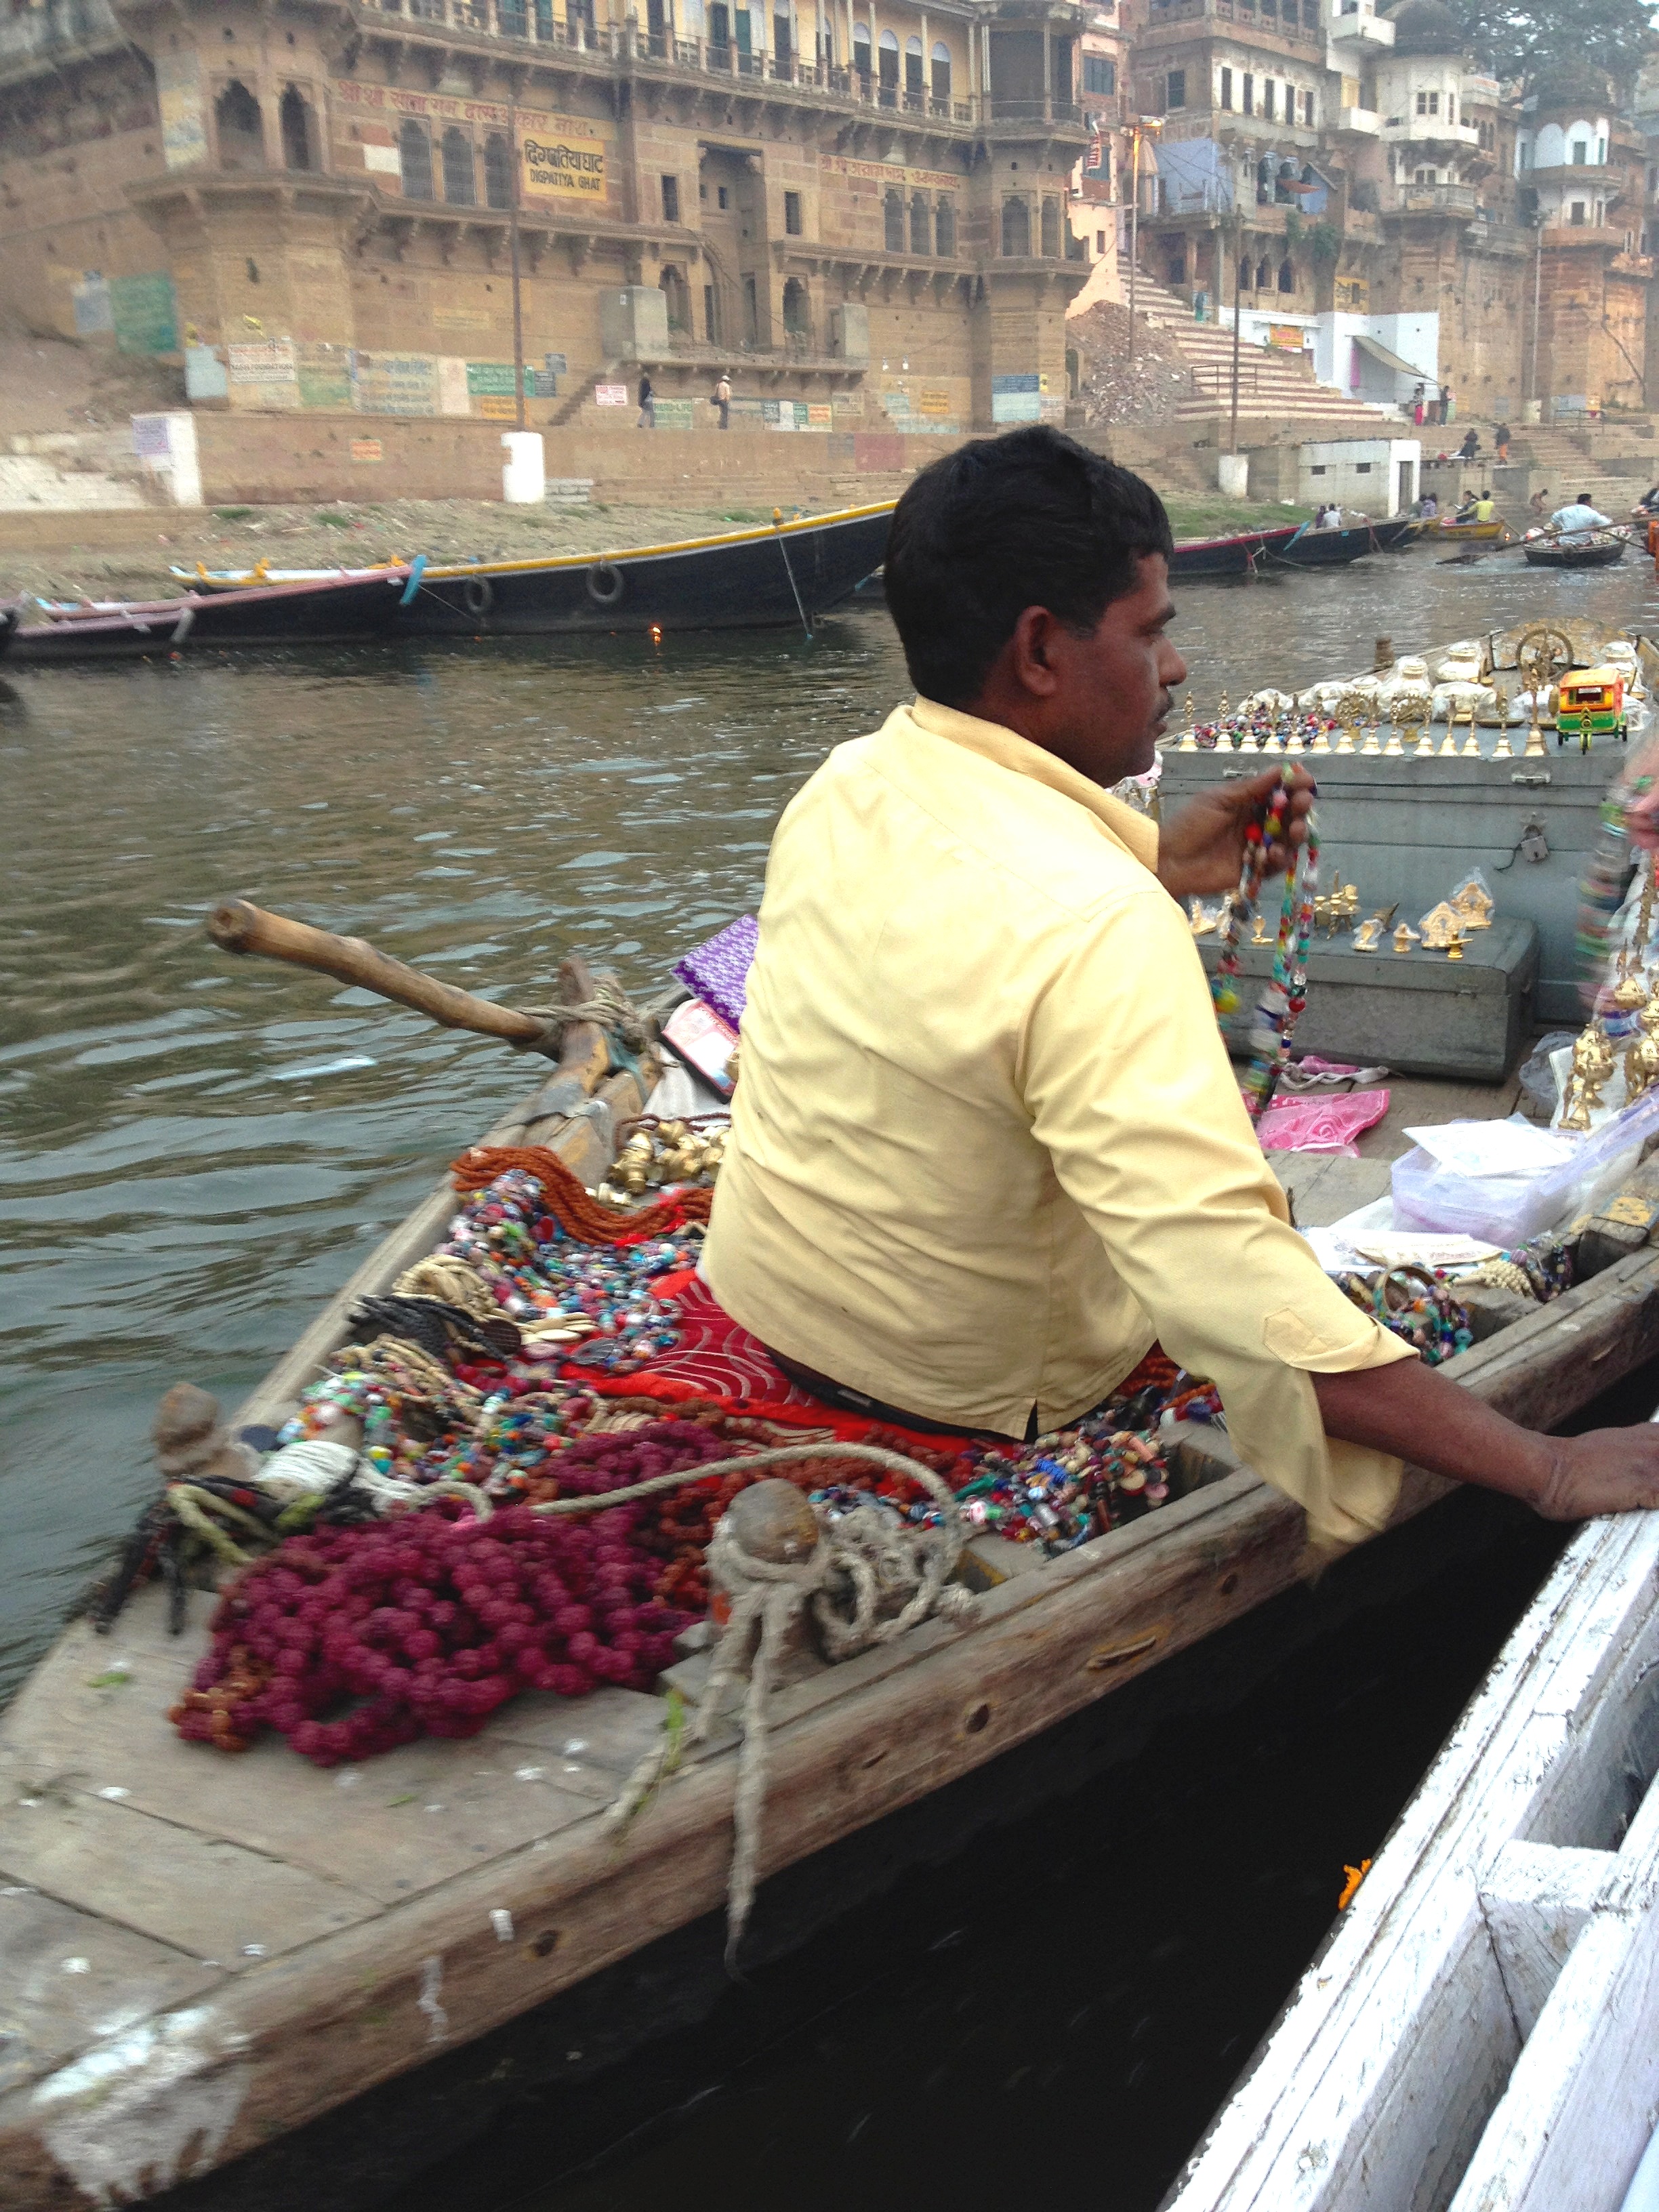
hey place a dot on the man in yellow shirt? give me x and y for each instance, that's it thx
(988, 1145)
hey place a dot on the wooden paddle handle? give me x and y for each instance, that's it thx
(237, 926)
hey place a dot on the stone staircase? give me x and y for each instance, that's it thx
(63, 470)
(1272, 383)
(1613, 462)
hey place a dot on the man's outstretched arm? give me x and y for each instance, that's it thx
(1426, 1417)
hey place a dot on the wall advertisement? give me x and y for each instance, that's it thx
(562, 158)
(184, 111)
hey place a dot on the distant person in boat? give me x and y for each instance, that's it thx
(988, 1146)
(1648, 502)
(1579, 516)
(1428, 506)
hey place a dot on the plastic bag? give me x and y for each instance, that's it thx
(1507, 1208)
(1538, 1078)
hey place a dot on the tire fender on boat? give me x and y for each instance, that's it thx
(478, 594)
(605, 584)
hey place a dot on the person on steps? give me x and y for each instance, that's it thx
(987, 1147)
(721, 398)
(648, 405)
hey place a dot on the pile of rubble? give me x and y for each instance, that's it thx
(1110, 387)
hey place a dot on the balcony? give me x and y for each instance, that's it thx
(519, 24)
(1296, 20)
(1364, 122)
(1428, 130)
(1431, 200)
(1360, 33)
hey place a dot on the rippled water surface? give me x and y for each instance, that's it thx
(196, 1150)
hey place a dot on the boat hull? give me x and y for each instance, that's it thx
(1468, 533)
(1574, 556)
(773, 578)
(789, 575)
(1335, 549)
(1237, 556)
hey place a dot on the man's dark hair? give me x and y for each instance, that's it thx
(1028, 519)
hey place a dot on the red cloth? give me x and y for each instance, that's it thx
(718, 1360)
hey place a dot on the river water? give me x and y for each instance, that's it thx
(195, 1151)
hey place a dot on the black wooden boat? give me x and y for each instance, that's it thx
(273, 614)
(1239, 554)
(1334, 548)
(1597, 552)
(781, 573)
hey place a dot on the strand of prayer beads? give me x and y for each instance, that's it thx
(1281, 1003)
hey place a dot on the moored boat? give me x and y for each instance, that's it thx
(1237, 554)
(271, 1945)
(778, 574)
(1334, 548)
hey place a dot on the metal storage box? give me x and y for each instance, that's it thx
(1406, 829)
(1416, 1012)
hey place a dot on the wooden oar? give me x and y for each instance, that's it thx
(237, 926)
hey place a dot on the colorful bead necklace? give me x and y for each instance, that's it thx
(1286, 994)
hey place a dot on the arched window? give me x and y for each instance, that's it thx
(922, 226)
(887, 62)
(797, 320)
(498, 171)
(240, 128)
(914, 85)
(296, 120)
(459, 188)
(946, 229)
(1051, 230)
(893, 212)
(1016, 227)
(1264, 275)
(1286, 275)
(861, 48)
(941, 70)
(415, 154)
(677, 296)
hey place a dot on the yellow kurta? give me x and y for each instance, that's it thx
(988, 1144)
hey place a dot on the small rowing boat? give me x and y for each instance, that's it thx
(1601, 550)
(1286, 545)
(217, 1952)
(778, 574)
(1495, 533)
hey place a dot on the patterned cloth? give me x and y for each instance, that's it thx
(718, 972)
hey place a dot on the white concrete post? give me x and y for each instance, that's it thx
(523, 476)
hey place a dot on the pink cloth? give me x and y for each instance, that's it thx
(1321, 1125)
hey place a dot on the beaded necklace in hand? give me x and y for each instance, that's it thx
(1286, 994)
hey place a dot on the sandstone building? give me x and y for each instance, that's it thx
(1366, 195)
(856, 208)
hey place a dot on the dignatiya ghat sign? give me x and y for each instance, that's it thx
(557, 165)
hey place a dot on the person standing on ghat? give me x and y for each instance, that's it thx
(721, 398)
(988, 1148)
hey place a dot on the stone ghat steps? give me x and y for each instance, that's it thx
(31, 482)
(1272, 382)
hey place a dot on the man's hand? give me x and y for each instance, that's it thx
(1202, 849)
(1425, 1417)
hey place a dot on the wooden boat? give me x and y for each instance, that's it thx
(288, 614)
(1482, 2027)
(1495, 533)
(1597, 552)
(778, 574)
(210, 1953)
(1238, 555)
(1331, 549)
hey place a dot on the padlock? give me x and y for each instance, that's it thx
(1535, 845)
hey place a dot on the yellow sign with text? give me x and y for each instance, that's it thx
(558, 165)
